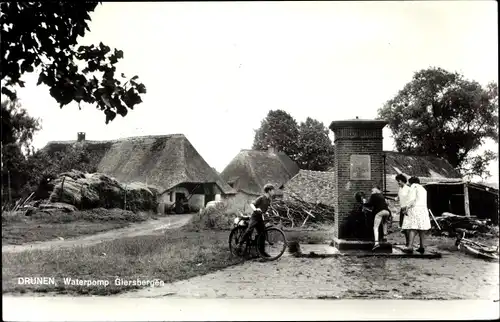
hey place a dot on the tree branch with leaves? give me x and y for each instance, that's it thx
(42, 37)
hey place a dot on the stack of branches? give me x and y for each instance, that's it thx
(450, 225)
(297, 212)
(20, 203)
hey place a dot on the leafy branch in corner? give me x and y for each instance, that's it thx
(42, 37)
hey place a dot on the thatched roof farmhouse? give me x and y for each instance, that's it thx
(168, 162)
(162, 161)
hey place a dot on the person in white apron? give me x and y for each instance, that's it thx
(417, 218)
(402, 198)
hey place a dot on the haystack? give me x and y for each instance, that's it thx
(87, 191)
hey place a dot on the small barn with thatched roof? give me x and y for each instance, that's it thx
(250, 170)
(168, 162)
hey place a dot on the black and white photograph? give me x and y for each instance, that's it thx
(268, 160)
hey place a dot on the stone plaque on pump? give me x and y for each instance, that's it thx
(360, 168)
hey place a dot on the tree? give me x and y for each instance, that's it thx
(443, 114)
(22, 168)
(478, 165)
(41, 37)
(18, 129)
(17, 126)
(279, 130)
(316, 148)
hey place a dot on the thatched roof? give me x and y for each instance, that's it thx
(99, 147)
(312, 186)
(250, 170)
(163, 161)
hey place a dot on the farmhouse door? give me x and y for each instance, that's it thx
(179, 202)
(209, 198)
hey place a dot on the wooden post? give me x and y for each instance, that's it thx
(81, 197)
(62, 185)
(125, 205)
(8, 182)
(384, 174)
(434, 218)
(62, 190)
(466, 199)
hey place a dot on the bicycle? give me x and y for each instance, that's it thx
(475, 248)
(278, 245)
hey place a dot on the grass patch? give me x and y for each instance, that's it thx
(178, 255)
(19, 229)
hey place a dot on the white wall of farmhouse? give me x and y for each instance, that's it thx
(195, 202)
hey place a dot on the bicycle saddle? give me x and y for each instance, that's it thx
(244, 217)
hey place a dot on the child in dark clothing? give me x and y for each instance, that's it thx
(259, 207)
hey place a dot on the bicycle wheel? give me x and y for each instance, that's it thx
(274, 241)
(234, 239)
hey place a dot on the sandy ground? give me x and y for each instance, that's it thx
(454, 276)
(145, 228)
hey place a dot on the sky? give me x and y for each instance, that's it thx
(213, 70)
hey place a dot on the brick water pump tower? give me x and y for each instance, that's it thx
(359, 162)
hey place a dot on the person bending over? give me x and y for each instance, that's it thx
(381, 210)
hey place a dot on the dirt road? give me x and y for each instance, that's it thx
(454, 276)
(148, 227)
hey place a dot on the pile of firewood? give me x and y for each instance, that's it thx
(450, 224)
(298, 213)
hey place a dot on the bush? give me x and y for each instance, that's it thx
(212, 218)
